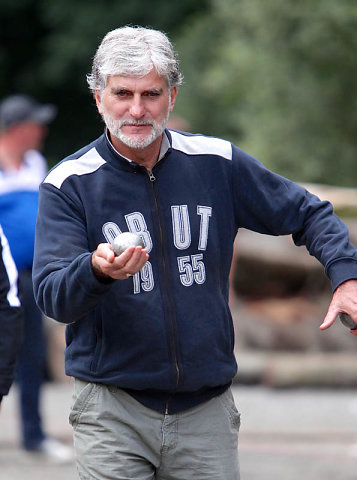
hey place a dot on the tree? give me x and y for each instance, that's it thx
(278, 79)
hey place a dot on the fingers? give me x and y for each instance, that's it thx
(343, 300)
(329, 320)
(104, 251)
(131, 261)
(100, 259)
(106, 264)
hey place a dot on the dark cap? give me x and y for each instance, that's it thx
(23, 108)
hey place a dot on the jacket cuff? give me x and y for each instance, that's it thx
(342, 270)
(87, 279)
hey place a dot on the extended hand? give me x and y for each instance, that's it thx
(344, 300)
(106, 265)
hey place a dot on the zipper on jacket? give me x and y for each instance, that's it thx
(173, 329)
(151, 175)
(172, 322)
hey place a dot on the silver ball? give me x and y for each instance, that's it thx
(125, 240)
(347, 321)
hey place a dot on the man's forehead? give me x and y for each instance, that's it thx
(147, 82)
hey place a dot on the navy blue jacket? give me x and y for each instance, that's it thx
(167, 332)
(11, 316)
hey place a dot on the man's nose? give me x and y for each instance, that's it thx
(137, 109)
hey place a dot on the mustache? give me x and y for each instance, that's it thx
(123, 123)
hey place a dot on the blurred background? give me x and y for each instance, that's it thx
(278, 79)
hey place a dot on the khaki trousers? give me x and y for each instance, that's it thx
(117, 438)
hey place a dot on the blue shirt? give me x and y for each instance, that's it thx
(18, 206)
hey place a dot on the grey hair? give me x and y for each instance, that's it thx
(134, 51)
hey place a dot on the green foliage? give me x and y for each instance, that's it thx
(278, 79)
(46, 50)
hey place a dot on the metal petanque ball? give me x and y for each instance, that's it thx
(347, 321)
(125, 240)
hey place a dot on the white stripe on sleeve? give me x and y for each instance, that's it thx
(10, 267)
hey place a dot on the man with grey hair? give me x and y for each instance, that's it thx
(150, 335)
(135, 53)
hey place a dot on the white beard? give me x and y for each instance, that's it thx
(115, 126)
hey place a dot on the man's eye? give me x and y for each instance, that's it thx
(151, 94)
(122, 93)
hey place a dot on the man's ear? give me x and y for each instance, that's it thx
(98, 101)
(173, 97)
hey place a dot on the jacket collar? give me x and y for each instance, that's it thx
(165, 146)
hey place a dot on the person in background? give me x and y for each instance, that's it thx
(150, 339)
(23, 127)
(11, 317)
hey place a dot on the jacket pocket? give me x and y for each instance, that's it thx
(98, 336)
